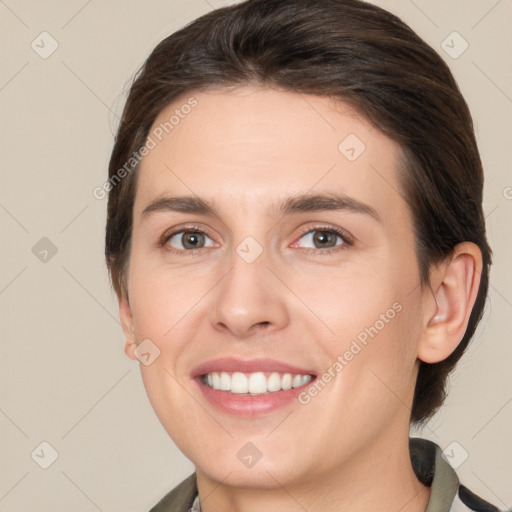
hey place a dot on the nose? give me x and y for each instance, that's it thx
(249, 299)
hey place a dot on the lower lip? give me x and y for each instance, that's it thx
(249, 405)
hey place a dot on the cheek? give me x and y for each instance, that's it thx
(351, 302)
(383, 376)
(161, 298)
(163, 311)
(373, 330)
(378, 374)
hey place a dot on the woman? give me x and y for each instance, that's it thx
(296, 238)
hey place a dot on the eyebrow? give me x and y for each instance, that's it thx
(296, 204)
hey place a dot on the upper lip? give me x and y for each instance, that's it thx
(231, 364)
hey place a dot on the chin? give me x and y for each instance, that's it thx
(263, 475)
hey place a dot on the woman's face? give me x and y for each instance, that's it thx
(272, 281)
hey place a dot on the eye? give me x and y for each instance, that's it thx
(188, 239)
(324, 238)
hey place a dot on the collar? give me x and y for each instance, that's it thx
(432, 470)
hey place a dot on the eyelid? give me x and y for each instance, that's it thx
(326, 227)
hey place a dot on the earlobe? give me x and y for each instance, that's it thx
(129, 350)
(448, 305)
(125, 314)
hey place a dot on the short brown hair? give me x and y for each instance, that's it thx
(348, 50)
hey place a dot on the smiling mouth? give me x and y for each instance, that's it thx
(252, 384)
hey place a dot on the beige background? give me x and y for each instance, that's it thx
(64, 378)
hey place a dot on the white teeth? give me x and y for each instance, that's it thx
(225, 382)
(274, 382)
(255, 383)
(286, 383)
(239, 383)
(297, 381)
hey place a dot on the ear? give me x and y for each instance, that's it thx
(125, 314)
(448, 304)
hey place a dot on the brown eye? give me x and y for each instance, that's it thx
(323, 238)
(188, 240)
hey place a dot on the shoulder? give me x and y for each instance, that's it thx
(180, 498)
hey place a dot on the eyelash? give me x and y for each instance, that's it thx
(346, 238)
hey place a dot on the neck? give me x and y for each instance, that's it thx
(381, 475)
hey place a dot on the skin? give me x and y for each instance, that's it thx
(244, 151)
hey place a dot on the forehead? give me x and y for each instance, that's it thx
(258, 145)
